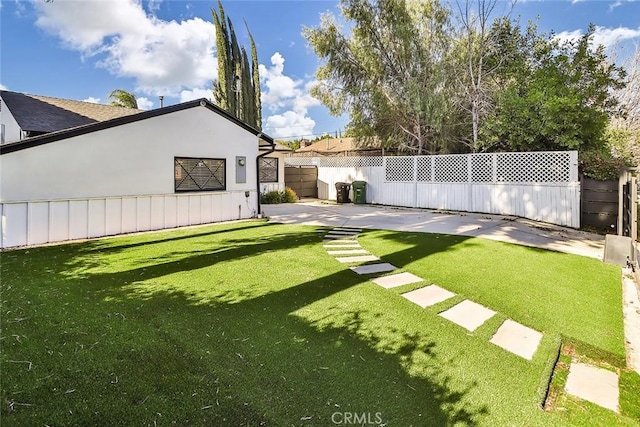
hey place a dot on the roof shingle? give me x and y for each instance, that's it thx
(41, 114)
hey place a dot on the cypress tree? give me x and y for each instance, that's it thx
(237, 89)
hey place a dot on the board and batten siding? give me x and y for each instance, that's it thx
(39, 222)
(542, 186)
(121, 179)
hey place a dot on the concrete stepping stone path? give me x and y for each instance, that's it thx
(428, 296)
(374, 268)
(517, 339)
(344, 233)
(339, 244)
(597, 385)
(468, 314)
(340, 236)
(511, 336)
(396, 280)
(360, 258)
(348, 252)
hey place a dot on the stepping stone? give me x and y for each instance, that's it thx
(396, 280)
(357, 230)
(349, 252)
(344, 233)
(517, 338)
(361, 258)
(339, 236)
(339, 244)
(468, 314)
(374, 268)
(428, 296)
(594, 384)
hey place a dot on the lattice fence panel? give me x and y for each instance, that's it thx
(399, 169)
(349, 162)
(482, 167)
(423, 172)
(300, 161)
(534, 167)
(335, 162)
(451, 168)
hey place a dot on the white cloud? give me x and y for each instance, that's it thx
(154, 5)
(284, 93)
(3, 87)
(92, 100)
(196, 93)
(162, 56)
(280, 88)
(289, 124)
(608, 37)
(144, 103)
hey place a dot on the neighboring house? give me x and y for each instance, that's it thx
(23, 116)
(190, 163)
(339, 147)
(271, 169)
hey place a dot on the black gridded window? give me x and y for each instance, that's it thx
(268, 169)
(199, 174)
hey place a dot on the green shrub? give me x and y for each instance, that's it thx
(274, 197)
(270, 198)
(600, 165)
(289, 196)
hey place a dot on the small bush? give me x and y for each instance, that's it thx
(275, 197)
(600, 165)
(289, 196)
(272, 197)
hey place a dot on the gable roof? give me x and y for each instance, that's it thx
(265, 141)
(282, 147)
(35, 113)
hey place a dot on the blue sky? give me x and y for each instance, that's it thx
(84, 49)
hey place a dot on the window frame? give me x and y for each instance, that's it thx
(277, 169)
(176, 184)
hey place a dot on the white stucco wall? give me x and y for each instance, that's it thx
(265, 187)
(121, 180)
(12, 131)
(128, 160)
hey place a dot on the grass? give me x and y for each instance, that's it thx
(254, 324)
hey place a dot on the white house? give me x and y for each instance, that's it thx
(190, 163)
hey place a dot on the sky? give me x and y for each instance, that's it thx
(84, 49)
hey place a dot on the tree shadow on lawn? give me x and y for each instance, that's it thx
(250, 362)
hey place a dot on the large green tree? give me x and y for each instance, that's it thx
(386, 71)
(557, 96)
(237, 89)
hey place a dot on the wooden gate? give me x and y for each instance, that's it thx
(599, 204)
(302, 179)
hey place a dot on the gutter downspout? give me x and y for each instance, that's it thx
(271, 150)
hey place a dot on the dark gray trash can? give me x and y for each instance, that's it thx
(342, 191)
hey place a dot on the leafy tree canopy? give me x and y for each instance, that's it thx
(122, 98)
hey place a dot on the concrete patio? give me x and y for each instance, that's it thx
(495, 227)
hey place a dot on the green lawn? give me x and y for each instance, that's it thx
(254, 324)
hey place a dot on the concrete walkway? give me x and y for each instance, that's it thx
(495, 227)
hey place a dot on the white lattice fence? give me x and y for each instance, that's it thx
(538, 185)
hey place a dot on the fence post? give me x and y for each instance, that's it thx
(494, 168)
